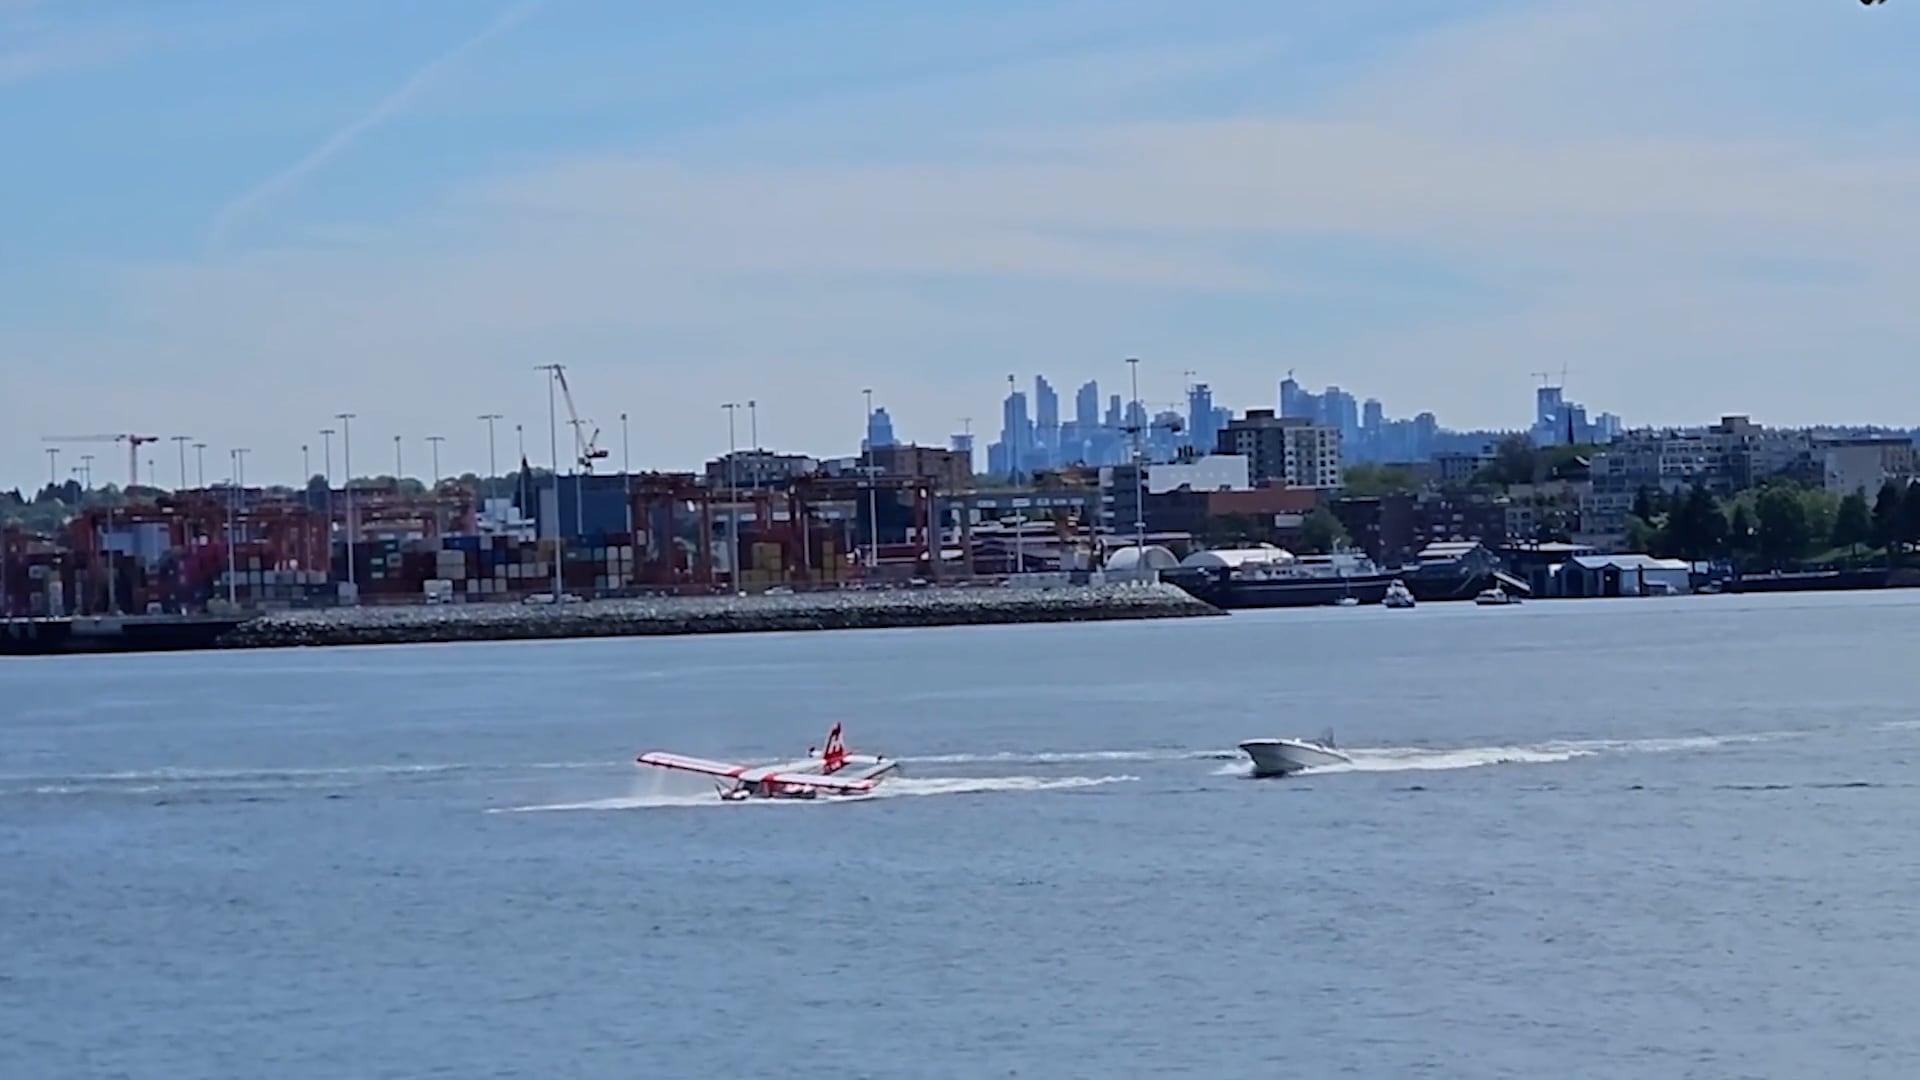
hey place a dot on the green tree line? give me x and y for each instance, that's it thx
(1779, 524)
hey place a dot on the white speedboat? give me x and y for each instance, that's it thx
(1495, 597)
(1283, 757)
(1398, 595)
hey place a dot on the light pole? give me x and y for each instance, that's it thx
(733, 500)
(399, 470)
(873, 490)
(1139, 469)
(493, 471)
(626, 476)
(579, 469)
(435, 441)
(200, 465)
(181, 442)
(233, 561)
(520, 436)
(346, 492)
(326, 472)
(753, 435)
(553, 446)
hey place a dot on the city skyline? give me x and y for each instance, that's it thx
(227, 215)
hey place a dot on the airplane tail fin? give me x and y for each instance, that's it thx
(834, 756)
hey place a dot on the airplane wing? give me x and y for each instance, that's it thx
(690, 764)
(815, 780)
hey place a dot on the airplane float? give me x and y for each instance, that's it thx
(833, 772)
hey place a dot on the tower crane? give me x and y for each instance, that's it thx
(134, 442)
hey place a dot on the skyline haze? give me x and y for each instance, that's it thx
(234, 220)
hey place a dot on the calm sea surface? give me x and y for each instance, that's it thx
(1640, 838)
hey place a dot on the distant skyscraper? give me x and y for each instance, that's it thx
(879, 430)
(1115, 418)
(1086, 406)
(1016, 433)
(1202, 424)
(1046, 424)
(963, 444)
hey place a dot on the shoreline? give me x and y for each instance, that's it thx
(651, 617)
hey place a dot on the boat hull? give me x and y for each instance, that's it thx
(1227, 592)
(1284, 757)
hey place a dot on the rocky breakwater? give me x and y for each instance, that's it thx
(713, 615)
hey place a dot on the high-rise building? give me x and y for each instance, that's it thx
(1202, 418)
(1046, 424)
(1086, 406)
(963, 444)
(1289, 450)
(879, 430)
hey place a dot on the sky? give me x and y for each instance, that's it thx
(233, 219)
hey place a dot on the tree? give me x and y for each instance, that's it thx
(1853, 523)
(1910, 514)
(1321, 532)
(1887, 516)
(1783, 533)
(1367, 480)
(1644, 507)
(1514, 460)
(1739, 531)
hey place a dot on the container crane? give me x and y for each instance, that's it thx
(134, 442)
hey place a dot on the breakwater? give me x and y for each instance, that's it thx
(712, 615)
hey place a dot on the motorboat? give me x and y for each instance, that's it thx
(1398, 595)
(1284, 757)
(1495, 597)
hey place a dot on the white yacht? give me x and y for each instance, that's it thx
(1284, 757)
(1495, 596)
(1398, 595)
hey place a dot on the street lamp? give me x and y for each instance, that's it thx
(399, 470)
(181, 442)
(435, 441)
(493, 470)
(200, 465)
(553, 440)
(1139, 469)
(733, 499)
(326, 467)
(626, 476)
(873, 491)
(346, 490)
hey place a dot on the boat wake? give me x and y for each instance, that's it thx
(1438, 759)
(211, 782)
(1070, 757)
(895, 788)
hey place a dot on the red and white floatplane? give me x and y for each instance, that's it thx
(830, 771)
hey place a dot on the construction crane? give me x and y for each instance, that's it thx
(582, 445)
(134, 442)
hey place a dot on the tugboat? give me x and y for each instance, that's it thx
(1398, 595)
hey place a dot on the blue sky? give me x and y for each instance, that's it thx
(234, 218)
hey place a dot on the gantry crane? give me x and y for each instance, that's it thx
(134, 442)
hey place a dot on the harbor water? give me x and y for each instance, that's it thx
(1609, 839)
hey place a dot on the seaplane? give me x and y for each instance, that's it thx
(830, 770)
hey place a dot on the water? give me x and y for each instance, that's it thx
(1597, 839)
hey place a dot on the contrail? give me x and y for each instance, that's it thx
(253, 200)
